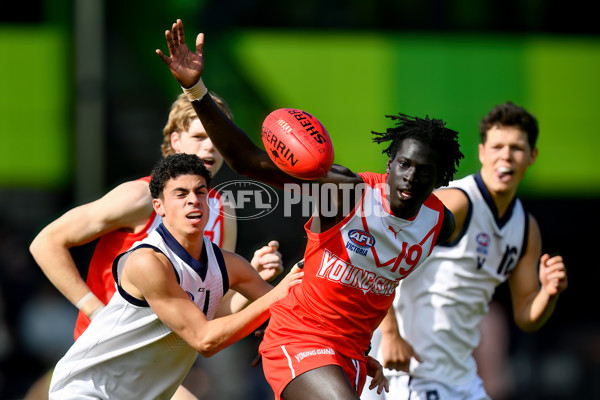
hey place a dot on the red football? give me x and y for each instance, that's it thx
(297, 143)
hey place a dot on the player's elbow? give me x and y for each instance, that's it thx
(42, 244)
(207, 349)
(208, 345)
(37, 245)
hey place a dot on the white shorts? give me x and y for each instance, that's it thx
(403, 388)
(398, 389)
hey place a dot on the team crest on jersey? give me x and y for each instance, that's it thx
(360, 241)
(483, 242)
(361, 238)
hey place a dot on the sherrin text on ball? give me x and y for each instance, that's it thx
(297, 143)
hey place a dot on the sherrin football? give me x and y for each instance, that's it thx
(297, 143)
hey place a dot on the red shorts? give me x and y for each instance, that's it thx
(281, 364)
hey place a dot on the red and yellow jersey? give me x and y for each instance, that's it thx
(99, 277)
(351, 272)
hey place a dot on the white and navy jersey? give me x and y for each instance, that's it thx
(127, 352)
(440, 306)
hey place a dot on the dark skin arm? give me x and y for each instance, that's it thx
(237, 148)
(242, 154)
(448, 227)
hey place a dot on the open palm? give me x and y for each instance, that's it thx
(186, 66)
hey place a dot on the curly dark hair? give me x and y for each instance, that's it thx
(509, 114)
(173, 166)
(427, 130)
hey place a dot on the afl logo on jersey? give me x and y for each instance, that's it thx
(361, 238)
(483, 242)
(191, 295)
(360, 241)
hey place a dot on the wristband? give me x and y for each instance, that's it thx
(196, 92)
(84, 299)
(95, 313)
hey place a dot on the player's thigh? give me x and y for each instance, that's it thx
(324, 383)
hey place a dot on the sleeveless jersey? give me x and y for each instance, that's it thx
(351, 272)
(99, 276)
(127, 352)
(440, 307)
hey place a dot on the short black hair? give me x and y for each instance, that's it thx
(173, 166)
(429, 131)
(509, 114)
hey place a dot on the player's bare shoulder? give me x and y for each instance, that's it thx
(144, 270)
(456, 201)
(146, 259)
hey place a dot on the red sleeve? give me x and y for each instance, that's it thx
(372, 178)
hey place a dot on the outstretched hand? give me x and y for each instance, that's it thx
(186, 66)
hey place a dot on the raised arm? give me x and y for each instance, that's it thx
(125, 207)
(236, 147)
(536, 283)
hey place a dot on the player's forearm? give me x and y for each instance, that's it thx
(222, 332)
(231, 303)
(240, 153)
(56, 263)
(389, 325)
(538, 313)
(235, 146)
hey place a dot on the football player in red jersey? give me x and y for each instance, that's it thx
(316, 342)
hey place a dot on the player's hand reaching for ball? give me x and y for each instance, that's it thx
(186, 66)
(267, 261)
(553, 274)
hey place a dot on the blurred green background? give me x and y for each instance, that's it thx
(350, 80)
(84, 98)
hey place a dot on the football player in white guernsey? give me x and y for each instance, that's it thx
(169, 288)
(434, 330)
(123, 216)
